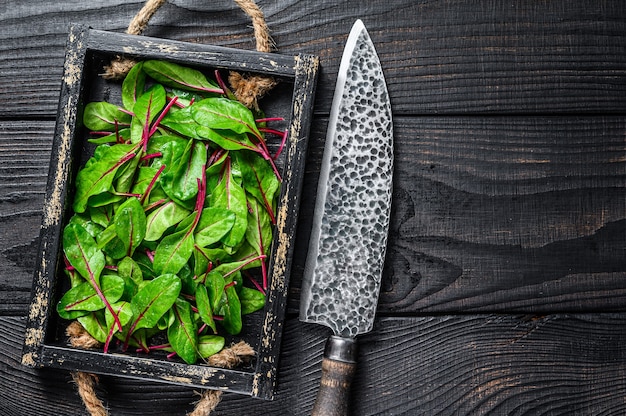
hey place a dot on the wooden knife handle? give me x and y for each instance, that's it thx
(338, 368)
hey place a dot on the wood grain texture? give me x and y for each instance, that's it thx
(509, 198)
(438, 57)
(522, 214)
(504, 214)
(24, 158)
(469, 365)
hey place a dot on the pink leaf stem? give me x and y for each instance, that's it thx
(268, 119)
(146, 194)
(155, 125)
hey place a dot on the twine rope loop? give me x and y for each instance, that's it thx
(247, 89)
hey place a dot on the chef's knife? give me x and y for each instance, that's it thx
(342, 273)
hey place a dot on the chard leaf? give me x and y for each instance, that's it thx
(133, 86)
(251, 300)
(214, 224)
(124, 312)
(111, 243)
(97, 177)
(180, 182)
(204, 307)
(177, 76)
(229, 194)
(259, 231)
(83, 253)
(181, 121)
(92, 227)
(125, 175)
(83, 298)
(102, 116)
(130, 271)
(102, 216)
(146, 109)
(209, 345)
(215, 288)
(174, 251)
(127, 267)
(130, 224)
(153, 300)
(95, 325)
(227, 139)
(182, 333)
(223, 114)
(144, 176)
(145, 264)
(122, 135)
(162, 218)
(259, 180)
(231, 311)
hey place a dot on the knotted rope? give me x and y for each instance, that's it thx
(247, 89)
(209, 399)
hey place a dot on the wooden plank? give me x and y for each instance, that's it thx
(505, 214)
(508, 214)
(524, 214)
(24, 158)
(439, 57)
(470, 365)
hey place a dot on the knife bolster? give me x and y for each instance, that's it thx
(341, 349)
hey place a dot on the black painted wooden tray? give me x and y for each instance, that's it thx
(87, 52)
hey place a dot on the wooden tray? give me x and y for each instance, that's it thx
(88, 51)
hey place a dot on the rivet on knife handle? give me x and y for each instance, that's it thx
(343, 271)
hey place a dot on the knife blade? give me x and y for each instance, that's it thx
(343, 270)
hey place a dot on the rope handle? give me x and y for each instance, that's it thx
(86, 383)
(248, 89)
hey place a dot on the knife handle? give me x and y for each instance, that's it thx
(338, 368)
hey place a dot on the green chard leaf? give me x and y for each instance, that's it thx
(164, 217)
(259, 231)
(231, 311)
(180, 182)
(147, 107)
(118, 136)
(95, 325)
(203, 304)
(251, 300)
(214, 224)
(97, 177)
(177, 76)
(214, 283)
(259, 180)
(103, 116)
(133, 86)
(174, 251)
(124, 312)
(153, 300)
(181, 121)
(210, 344)
(229, 194)
(102, 216)
(183, 332)
(83, 298)
(130, 224)
(83, 253)
(223, 114)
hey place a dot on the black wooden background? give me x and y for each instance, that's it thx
(505, 280)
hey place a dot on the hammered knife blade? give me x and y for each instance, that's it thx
(342, 275)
